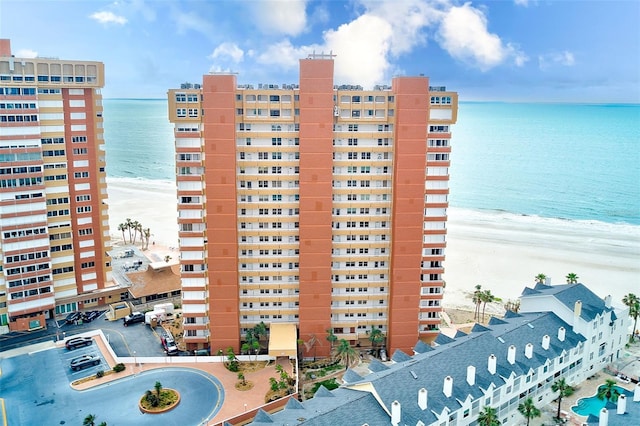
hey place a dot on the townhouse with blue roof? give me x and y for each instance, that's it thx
(560, 331)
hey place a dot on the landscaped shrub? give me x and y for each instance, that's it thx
(329, 384)
(119, 367)
(99, 373)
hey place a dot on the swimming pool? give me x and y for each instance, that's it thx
(593, 405)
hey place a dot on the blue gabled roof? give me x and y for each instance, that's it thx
(351, 376)
(459, 334)
(495, 321)
(568, 294)
(511, 314)
(399, 356)
(478, 328)
(428, 368)
(376, 366)
(422, 347)
(441, 339)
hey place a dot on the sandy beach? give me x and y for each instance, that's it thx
(503, 252)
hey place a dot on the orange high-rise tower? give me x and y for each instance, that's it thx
(54, 232)
(313, 204)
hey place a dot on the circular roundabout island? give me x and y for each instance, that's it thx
(159, 401)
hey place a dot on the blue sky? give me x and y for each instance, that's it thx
(509, 50)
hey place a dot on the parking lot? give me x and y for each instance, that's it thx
(36, 391)
(66, 356)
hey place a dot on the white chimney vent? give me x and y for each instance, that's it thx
(607, 301)
(471, 375)
(422, 399)
(395, 413)
(622, 404)
(561, 334)
(447, 387)
(545, 341)
(577, 308)
(528, 350)
(511, 355)
(603, 419)
(492, 364)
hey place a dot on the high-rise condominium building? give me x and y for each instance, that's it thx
(313, 204)
(54, 229)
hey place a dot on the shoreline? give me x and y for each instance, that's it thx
(501, 251)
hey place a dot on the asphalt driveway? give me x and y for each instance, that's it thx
(36, 391)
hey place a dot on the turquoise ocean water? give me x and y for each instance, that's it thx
(565, 161)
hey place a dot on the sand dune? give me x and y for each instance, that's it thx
(502, 252)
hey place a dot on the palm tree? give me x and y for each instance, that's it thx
(488, 417)
(241, 378)
(128, 224)
(260, 330)
(135, 225)
(540, 278)
(103, 424)
(122, 227)
(608, 391)
(476, 299)
(486, 297)
(633, 302)
(147, 236)
(331, 338)
(345, 353)
(572, 278)
(529, 410)
(375, 336)
(563, 389)
(158, 388)
(90, 420)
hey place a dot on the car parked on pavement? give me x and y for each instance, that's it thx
(84, 361)
(78, 342)
(73, 317)
(169, 344)
(133, 318)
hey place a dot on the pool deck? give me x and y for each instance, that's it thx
(631, 367)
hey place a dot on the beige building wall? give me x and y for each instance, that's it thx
(53, 215)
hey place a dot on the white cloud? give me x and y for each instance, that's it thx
(280, 17)
(524, 3)
(285, 54)
(108, 18)
(564, 58)
(26, 53)
(228, 50)
(408, 19)
(191, 21)
(362, 47)
(366, 46)
(465, 36)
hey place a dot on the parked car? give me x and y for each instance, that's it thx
(73, 317)
(78, 342)
(84, 361)
(91, 315)
(134, 318)
(383, 354)
(201, 352)
(169, 344)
